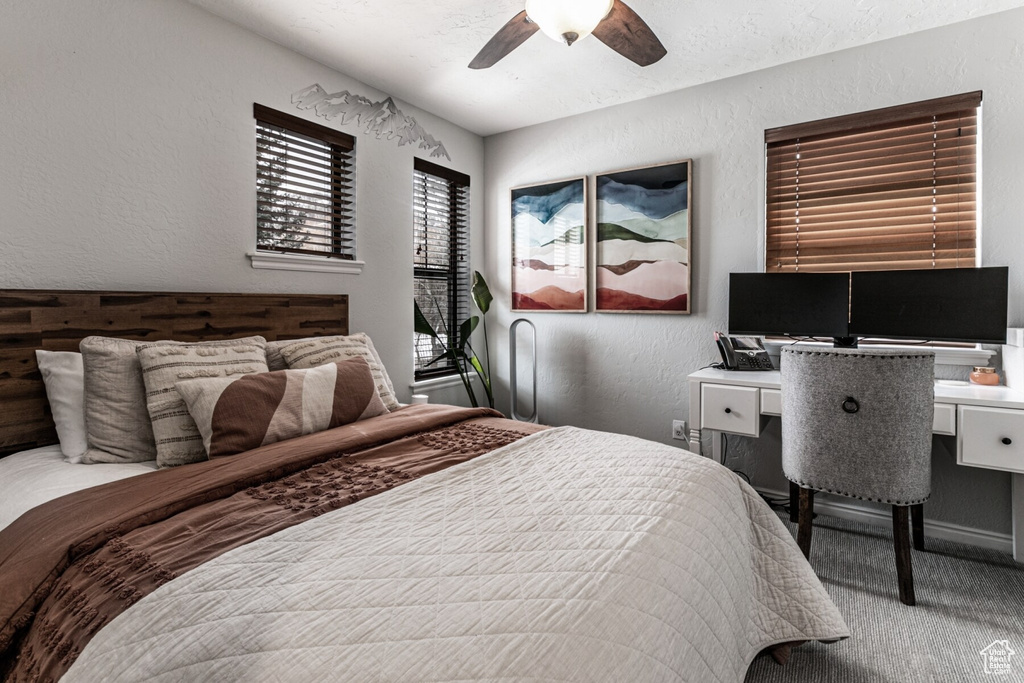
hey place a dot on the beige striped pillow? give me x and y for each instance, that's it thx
(178, 441)
(309, 353)
(242, 413)
(275, 361)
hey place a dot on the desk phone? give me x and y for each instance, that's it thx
(743, 353)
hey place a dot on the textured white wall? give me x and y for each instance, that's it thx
(128, 161)
(626, 373)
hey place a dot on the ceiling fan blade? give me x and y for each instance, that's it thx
(511, 36)
(625, 32)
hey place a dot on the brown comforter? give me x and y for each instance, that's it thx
(70, 566)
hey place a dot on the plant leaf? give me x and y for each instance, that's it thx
(466, 331)
(447, 354)
(479, 367)
(422, 325)
(481, 292)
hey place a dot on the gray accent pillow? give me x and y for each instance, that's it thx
(116, 419)
(309, 353)
(275, 361)
(164, 364)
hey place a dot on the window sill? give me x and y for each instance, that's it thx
(438, 383)
(943, 355)
(273, 260)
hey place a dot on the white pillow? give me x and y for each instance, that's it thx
(63, 377)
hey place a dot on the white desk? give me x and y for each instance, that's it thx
(988, 422)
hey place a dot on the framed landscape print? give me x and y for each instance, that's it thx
(549, 247)
(643, 240)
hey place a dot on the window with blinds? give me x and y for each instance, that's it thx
(304, 178)
(441, 260)
(890, 189)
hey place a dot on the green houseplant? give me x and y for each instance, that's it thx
(458, 347)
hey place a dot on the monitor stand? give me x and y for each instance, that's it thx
(844, 342)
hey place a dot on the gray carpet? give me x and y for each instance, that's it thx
(967, 598)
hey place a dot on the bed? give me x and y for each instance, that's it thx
(423, 543)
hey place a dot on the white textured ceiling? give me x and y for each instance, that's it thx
(417, 50)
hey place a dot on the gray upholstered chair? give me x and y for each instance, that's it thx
(858, 423)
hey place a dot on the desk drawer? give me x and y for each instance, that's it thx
(771, 402)
(944, 420)
(730, 409)
(991, 437)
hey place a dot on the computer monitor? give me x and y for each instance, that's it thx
(949, 304)
(789, 304)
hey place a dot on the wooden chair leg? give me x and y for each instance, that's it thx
(917, 523)
(901, 539)
(804, 524)
(794, 502)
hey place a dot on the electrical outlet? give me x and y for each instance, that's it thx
(679, 429)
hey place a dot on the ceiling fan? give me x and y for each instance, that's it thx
(611, 21)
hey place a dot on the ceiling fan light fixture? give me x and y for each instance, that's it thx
(567, 20)
(611, 21)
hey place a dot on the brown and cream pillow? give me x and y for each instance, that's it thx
(309, 353)
(164, 364)
(242, 413)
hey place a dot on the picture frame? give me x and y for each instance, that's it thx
(550, 247)
(642, 222)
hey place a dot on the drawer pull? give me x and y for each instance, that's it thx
(850, 405)
(1006, 440)
(728, 410)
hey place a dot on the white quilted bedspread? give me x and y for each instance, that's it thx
(570, 555)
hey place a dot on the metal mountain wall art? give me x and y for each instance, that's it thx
(384, 118)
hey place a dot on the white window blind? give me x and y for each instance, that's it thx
(889, 189)
(440, 261)
(304, 178)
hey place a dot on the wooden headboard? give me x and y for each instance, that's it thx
(57, 320)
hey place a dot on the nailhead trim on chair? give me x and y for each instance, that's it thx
(859, 356)
(807, 485)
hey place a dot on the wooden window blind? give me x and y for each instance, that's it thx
(441, 259)
(304, 178)
(889, 189)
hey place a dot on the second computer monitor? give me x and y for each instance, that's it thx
(954, 304)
